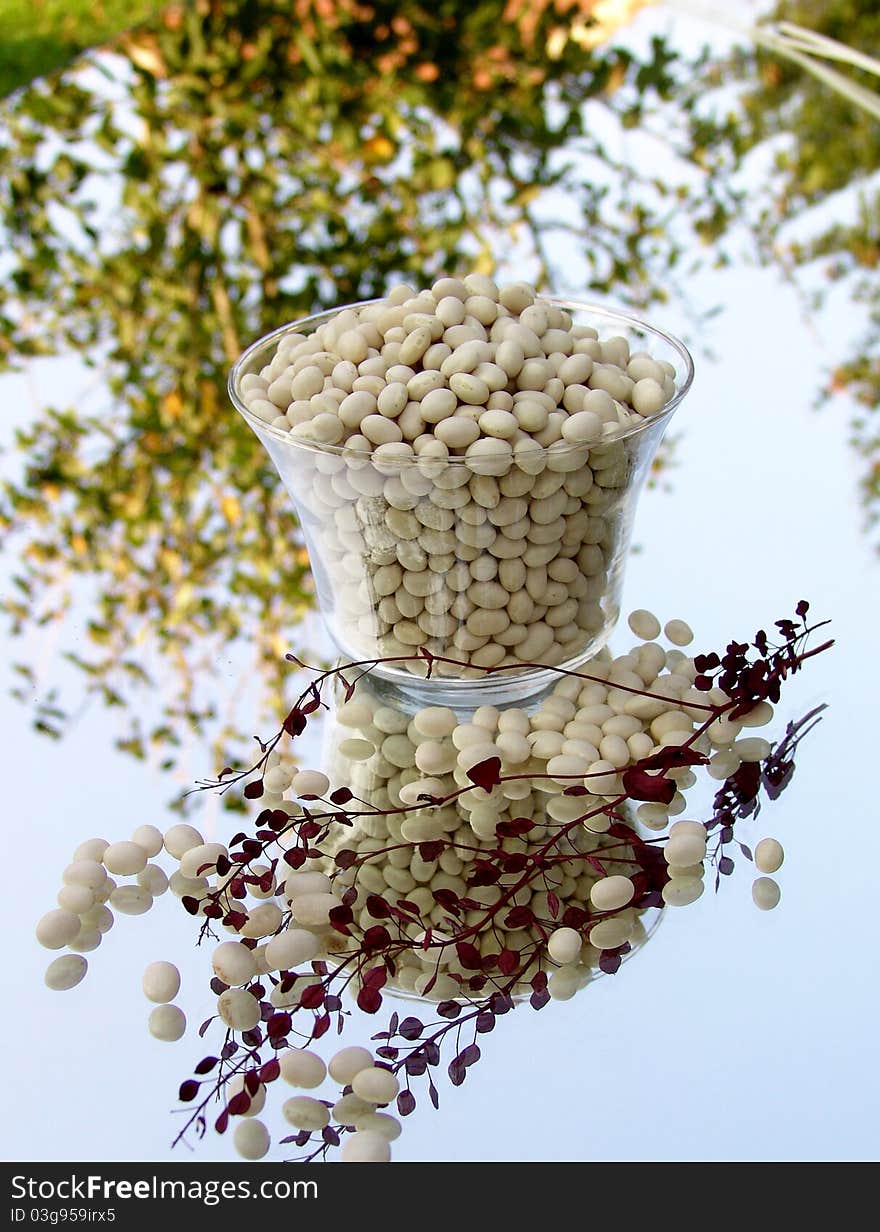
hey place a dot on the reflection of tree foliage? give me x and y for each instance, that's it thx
(243, 164)
(820, 144)
(38, 38)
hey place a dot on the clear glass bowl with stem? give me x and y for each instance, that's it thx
(517, 565)
(387, 846)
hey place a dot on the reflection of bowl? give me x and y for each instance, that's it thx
(389, 841)
(517, 565)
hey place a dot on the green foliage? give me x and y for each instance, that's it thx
(248, 164)
(36, 39)
(835, 143)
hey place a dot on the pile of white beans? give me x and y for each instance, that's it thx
(584, 732)
(90, 894)
(467, 824)
(471, 485)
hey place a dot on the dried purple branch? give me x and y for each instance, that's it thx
(502, 935)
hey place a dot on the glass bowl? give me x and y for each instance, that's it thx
(390, 832)
(516, 566)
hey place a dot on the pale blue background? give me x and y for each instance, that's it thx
(735, 1034)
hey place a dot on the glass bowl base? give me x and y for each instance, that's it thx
(501, 687)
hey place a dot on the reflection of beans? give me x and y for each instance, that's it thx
(428, 753)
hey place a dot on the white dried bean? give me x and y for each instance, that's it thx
(469, 388)
(415, 344)
(489, 456)
(648, 396)
(498, 423)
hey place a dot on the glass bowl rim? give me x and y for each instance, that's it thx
(260, 426)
